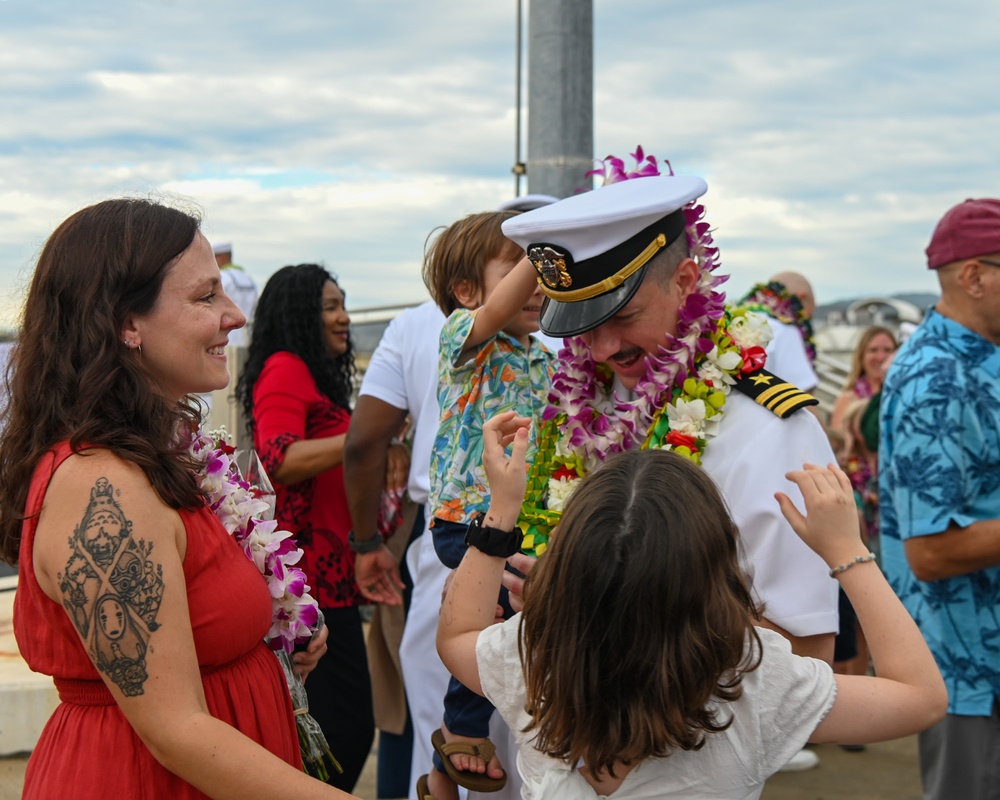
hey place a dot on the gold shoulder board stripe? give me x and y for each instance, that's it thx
(790, 406)
(777, 396)
(774, 391)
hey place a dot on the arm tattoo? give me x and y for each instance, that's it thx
(112, 590)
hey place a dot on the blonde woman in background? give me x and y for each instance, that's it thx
(868, 365)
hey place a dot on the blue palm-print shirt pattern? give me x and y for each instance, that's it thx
(939, 459)
(501, 375)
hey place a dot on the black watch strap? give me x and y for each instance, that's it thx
(367, 546)
(493, 541)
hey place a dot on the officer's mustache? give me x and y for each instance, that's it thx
(627, 355)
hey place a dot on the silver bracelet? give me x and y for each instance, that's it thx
(844, 567)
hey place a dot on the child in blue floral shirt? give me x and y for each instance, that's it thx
(489, 362)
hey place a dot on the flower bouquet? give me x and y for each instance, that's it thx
(312, 743)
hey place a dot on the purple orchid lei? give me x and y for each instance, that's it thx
(295, 614)
(612, 169)
(679, 401)
(598, 423)
(274, 552)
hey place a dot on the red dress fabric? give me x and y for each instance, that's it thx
(88, 749)
(287, 407)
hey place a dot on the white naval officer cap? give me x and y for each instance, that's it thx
(527, 202)
(591, 249)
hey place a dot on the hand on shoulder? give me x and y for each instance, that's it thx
(830, 526)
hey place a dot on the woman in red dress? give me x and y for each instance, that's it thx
(131, 593)
(296, 390)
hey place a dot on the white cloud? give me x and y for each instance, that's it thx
(832, 136)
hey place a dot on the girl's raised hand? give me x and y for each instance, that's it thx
(830, 525)
(507, 476)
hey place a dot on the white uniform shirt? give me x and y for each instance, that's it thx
(403, 373)
(787, 358)
(748, 461)
(783, 701)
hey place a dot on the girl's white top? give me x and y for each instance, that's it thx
(783, 701)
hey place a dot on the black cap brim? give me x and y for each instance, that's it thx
(571, 319)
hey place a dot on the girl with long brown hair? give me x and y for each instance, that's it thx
(635, 669)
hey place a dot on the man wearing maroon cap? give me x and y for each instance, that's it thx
(940, 497)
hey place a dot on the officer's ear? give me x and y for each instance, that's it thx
(685, 278)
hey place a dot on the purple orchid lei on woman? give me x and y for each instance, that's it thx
(274, 552)
(295, 614)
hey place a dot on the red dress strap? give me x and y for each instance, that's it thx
(47, 465)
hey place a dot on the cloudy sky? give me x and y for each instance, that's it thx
(832, 135)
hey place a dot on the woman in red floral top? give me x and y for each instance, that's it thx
(296, 390)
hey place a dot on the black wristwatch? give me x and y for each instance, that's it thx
(367, 546)
(493, 541)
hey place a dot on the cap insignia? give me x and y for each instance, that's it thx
(552, 266)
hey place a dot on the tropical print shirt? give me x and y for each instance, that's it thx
(501, 375)
(940, 464)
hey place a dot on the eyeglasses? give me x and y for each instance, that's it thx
(988, 261)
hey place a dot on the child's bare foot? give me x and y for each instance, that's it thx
(473, 762)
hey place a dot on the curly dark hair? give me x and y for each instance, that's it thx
(289, 318)
(69, 375)
(637, 616)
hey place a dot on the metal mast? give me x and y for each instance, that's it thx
(560, 96)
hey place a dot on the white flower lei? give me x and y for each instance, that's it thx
(274, 552)
(695, 411)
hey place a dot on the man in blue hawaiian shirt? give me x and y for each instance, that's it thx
(940, 497)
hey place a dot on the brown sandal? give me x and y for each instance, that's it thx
(473, 781)
(423, 793)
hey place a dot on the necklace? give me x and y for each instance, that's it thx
(295, 615)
